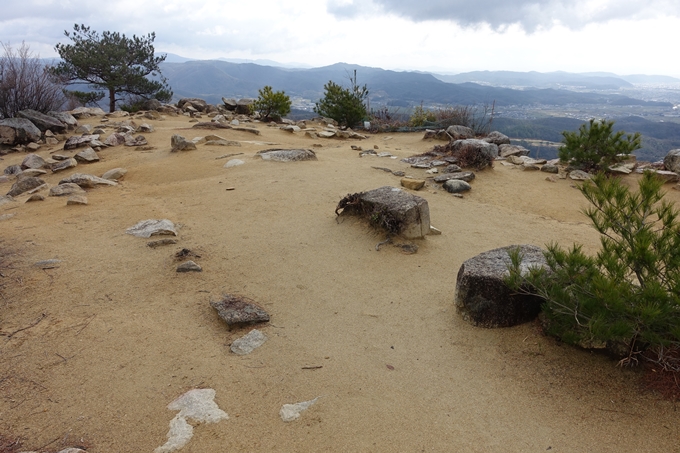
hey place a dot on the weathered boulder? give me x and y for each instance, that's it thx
(84, 129)
(179, 143)
(65, 189)
(87, 156)
(580, 175)
(395, 210)
(239, 310)
(287, 155)
(151, 104)
(152, 227)
(186, 104)
(475, 145)
(139, 140)
(33, 161)
(672, 160)
(42, 121)
(69, 120)
(17, 131)
(12, 170)
(483, 299)
(439, 134)
(506, 150)
(189, 266)
(458, 132)
(550, 168)
(243, 106)
(456, 186)
(222, 143)
(497, 138)
(115, 139)
(230, 104)
(75, 200)
(24, 185)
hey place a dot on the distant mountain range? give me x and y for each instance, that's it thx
(213, 79)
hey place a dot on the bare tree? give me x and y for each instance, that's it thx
(26, 83)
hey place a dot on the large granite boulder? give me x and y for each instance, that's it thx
(497, 138)
(65, 117)
(506, 150)
(24, 185)
(458, 132)
(483, 299)
(42, 121)
(392, 209)
(179, 143)
(18, 131)
(198, 104)
(672, 160)
(243, 106)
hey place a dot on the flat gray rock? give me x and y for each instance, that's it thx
(152, 227)
(466, 176)
(76, 200)
(248, 343)
(32, 161)
(87, 181)
(65, 189)
(64, 165)
(189, 266)
(87, 156)
(78, 141)
(114, 174)
(235, 310)
(287, 155)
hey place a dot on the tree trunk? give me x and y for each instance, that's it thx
(112, 100)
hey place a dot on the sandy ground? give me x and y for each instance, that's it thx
(124, 334)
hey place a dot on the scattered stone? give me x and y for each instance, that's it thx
(32, 146)
(580, 175)
(189, 266)
(47, 264)
(233, 163)
(550, 168)
(161, 242)
(76, 200)
(15, 131)
(432, 171)
(140, 140)
(13, 170)
(290, 128)
(87, 181)
(115, 139)
(552, 178)
(35, 197)
(466, 176)
(667, 176)
(87, 156)
(236, 310)
(33, 161)
(287, 155)
(114, 174)
(152, 227)
(435, 231)
(59, 157)
(456, 186)
(483, 299)
(222, 143)
(413, 184)
(65, 189)
(51, 141)
(290, 412)
(248, 343)
(180, 143)
(6, 216)
(199, 406)
(530, 167)
(453, 168)
(145, 128)
(64, 165)
(24, 185)
(78, 141)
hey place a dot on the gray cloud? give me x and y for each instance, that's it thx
(499, 14)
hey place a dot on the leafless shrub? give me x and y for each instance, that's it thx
(25, 83)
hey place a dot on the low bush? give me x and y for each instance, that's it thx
(595, 146)
(271, 104)
(627, 296)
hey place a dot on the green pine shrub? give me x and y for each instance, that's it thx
(627, 297)
(271, 104)
(344, 105)
(596, 146)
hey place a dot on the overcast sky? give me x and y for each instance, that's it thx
(448, 36)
